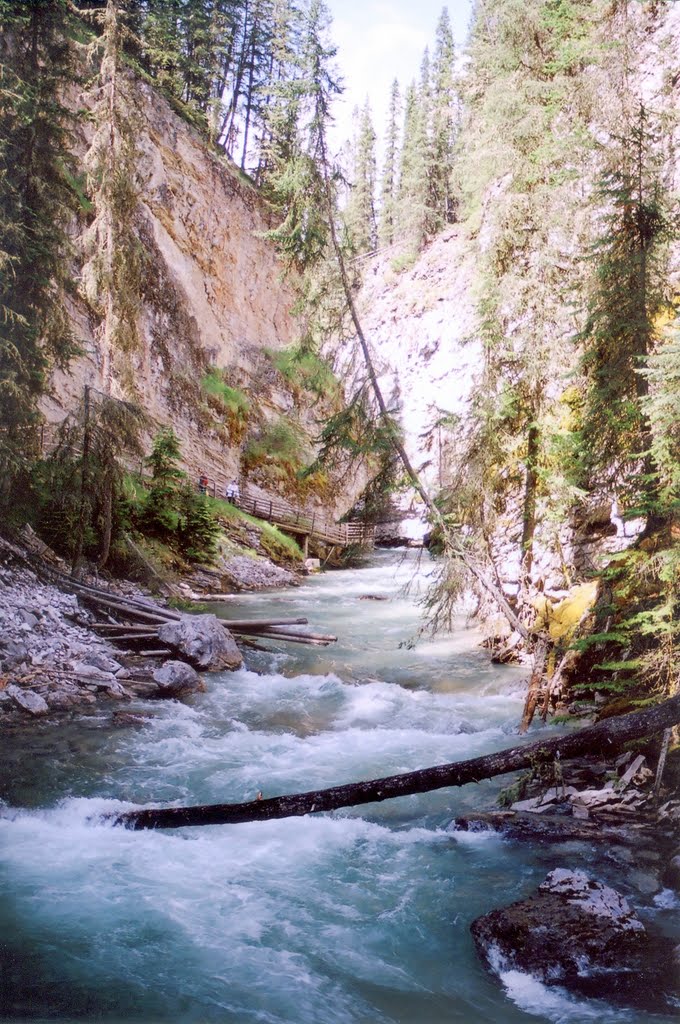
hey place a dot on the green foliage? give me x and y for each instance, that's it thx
(160, 515)
(661, 406)
(36, 200)
(172, 511)
(198, 529)
(389, 180)
(360, 215)
(405, 261)
(278, 545)
(413, 214)
(294, 177)
(619, 334)
(113, 270)
(83, 502)
(276, 454)
(636, 654)
(355, 432)
(516, 791)
(227, 400)
(305, 371)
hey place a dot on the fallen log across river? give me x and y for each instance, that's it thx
(601, 739)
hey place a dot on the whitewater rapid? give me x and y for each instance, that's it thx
(360, 917)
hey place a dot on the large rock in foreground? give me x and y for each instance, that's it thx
(582, 935)
(203, 641)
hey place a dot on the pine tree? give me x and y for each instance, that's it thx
(163, 43)
(80, 486)
(296, 183)
(36, 198)
(281, 93)
(160, 515)
(619, 334)
(413, 211)
(388, 185)
(444, 121)
(360, 214)
(112, 274)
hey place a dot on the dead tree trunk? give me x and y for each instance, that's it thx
(600, 739)
(540, 658)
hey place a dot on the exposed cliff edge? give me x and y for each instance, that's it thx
(517, 257)
(215, 300)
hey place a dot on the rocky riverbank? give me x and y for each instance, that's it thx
(52, 660)
(603, 825)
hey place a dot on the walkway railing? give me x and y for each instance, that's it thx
(310, 524)
(299, 521)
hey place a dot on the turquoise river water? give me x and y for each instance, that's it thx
(359, 917)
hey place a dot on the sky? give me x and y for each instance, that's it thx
(380, 40)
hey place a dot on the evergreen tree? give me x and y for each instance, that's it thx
(620, 334)
(281, 93)
(444, 121)
(36, 198)
(160, 514)
(360, 214)
(80, 486)
(388, 185)
(163, 43)
(112, 274)
(296, 184)
(412, 214)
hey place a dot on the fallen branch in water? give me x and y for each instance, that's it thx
(599, 739)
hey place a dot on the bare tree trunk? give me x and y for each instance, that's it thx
(107, 527)
(540, 657)
(601, 739)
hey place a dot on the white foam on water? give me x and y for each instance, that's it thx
(360, 917)
(555, 1004)
(667, 899)
(267, 912)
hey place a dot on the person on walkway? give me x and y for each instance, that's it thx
(203, 482)
(232, 492)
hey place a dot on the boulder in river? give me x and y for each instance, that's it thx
(177, 679)
(580, 934)
(204, 642)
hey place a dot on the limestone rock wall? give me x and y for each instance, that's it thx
(422, 323)
(213, 291)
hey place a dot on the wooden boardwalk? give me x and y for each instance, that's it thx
(305, 524)
(313, 526)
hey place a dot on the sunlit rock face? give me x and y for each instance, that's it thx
(422, 320)
(212, 289)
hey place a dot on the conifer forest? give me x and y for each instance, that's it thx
(339, 470)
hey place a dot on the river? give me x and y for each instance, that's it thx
(360, 917)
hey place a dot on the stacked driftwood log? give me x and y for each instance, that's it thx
(134, 623)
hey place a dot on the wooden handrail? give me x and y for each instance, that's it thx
(280, 513)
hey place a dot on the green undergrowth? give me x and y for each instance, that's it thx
(182, 604)
(277, 544)
(304, 370)
(276, 455)
(228, 402)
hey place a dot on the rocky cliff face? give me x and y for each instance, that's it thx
(213, 292)
(423, 322)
